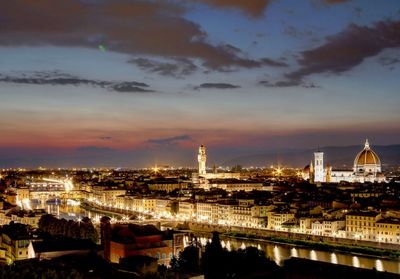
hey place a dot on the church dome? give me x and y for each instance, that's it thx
(367, 157)
(367, 160)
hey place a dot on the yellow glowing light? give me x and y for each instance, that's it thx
(156, 169)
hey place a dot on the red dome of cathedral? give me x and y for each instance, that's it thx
(367, 160)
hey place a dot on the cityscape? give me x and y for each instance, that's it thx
(199, 139)
(356, 217)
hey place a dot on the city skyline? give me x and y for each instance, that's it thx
(101, 81)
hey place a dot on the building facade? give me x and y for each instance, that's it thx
(366, 168)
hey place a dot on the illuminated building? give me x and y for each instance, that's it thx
(319, 167)
(327, 227)
(202, 158)
(202, 173)
(124, 240)
(163, 207)
(246, 214)
(207, 211)
(22, 217)
(277, 218)
(107, 195)
(242, 213)
(137, 203)
(362, 225)
(305, 224)
(15, 240)
(388, 230)
(225, 213)
(366, 168)
(231, 185)
(367, 162)
(23, 194)
(167, 185)
(148, 204)
(187, 209)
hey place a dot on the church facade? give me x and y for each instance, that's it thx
(366, 168)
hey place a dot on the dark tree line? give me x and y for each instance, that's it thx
(83, 229)
(217, 262)
(43, 270)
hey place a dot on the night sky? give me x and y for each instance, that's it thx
(134, 83)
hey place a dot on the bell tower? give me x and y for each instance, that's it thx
(319, 166)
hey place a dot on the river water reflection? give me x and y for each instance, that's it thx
(275, 251)
(72, 212)
(279, 252)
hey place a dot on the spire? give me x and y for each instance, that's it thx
(366, 146)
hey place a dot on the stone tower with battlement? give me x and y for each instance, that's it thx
(202, 158)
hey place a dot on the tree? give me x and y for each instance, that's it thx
(214, 259)
(189, 259)
(220, 263)
(69, 229)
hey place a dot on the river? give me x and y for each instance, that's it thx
(278, 252)
(73, 211)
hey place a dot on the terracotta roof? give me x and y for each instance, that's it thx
(62, 245)
(367, 157)
(364, 213)
(390, 220)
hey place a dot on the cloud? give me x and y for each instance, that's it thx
(288, 83)
(169, 141)
(93, 149)
(273, 63)
(253, 8)
(179, 68)
(333, 2)
(217, 86)
(388, 61)
(135, 27)
(128, 87)
(347, 49)
(318, 3)
(56, 78)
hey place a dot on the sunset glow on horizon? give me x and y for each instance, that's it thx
(89, 80)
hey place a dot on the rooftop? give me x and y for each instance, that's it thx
(390, 220)
(364, 213)
(62, 245)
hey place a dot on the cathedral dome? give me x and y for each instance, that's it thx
(367, 160)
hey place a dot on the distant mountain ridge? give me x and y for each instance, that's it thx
(336, 156)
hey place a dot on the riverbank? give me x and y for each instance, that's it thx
(323, 246)
(108, 213)
(365, 248)
(390, 251)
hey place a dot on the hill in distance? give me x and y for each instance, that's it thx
(336, 156)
